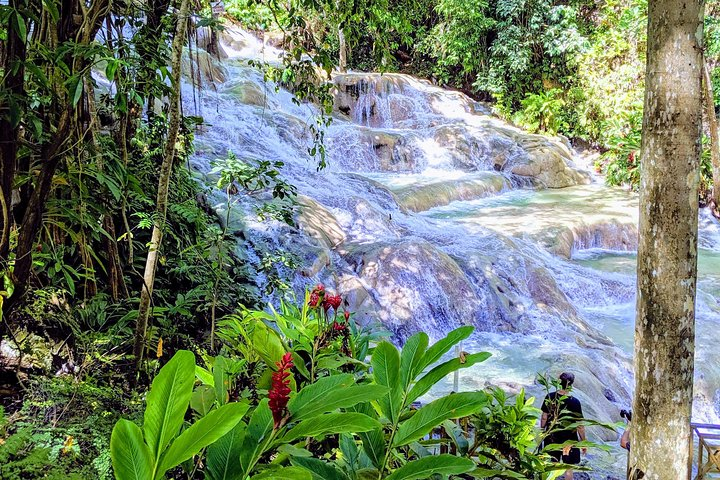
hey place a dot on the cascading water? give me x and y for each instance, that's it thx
(433, 214)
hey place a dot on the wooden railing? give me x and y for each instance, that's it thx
(708, 444)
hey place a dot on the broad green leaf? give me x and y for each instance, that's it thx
(439, 372)
(386, 370)
(111, 69)
(203, 399)
(331, 362)
(350, 451)
(201, 434)
(77, 92)
(259, 429)
(441, 347)
(204, 375)
(268, 344)
(331, 423)
(456, 434)
(319, 470)
(53, 9)
(300, 365)
(428, 466)
(411, 358)
(130, 455)
(373, 442)
(331, 393)
(40, 76)
(223, 456)
(20, 27)
(435, 413)
(294, 451)
(485, 473)
(366, 474)
(168, 401)
(285, 473)
(220, 380)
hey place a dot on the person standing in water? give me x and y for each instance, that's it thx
(558, 410)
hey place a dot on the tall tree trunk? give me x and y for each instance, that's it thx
(714, 138)
(163, 185)
(667, 252)
(14, 86)
(83, 32)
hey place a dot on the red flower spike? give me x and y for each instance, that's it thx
(347, 315)
(279, 393)
(314, 300)
(332, 301)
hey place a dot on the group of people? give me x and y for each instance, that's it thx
(560, 414)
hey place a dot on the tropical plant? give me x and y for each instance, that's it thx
(323, 340)
(394, 448)
(148, 453)
(542, 112)
(506, 440)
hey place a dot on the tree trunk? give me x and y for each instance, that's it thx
(14, 84)
(163, 185)
(667, 252)
(714, 138)
(63, 118)
(343, 50)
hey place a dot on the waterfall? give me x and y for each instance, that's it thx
(433, 214)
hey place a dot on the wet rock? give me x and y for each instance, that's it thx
(33, 353)
(472, 149)
(234, 41)
(419, 198)
(374, 100)
(203, 68)
(397, 274)
(319, 223)
(548, 162)
(609, 395)
(613, 235)
(248, 92)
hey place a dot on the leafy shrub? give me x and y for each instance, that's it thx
(159, 446)
(542, 112)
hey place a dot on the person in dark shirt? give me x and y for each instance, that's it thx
(560, 409)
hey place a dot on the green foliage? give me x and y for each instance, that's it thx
(74, 444)
(251, 14)
(20, 459)
(159, 446)
(509, 48)
(542, 112)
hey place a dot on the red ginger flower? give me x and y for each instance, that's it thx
(316, 295)
(347, 315)
(333, 301)
(279, 394)
(314, 300)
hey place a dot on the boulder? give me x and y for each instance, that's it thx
(319, 223)
(419, 198)
(203, 68)
(248, 92)
(414, 286)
